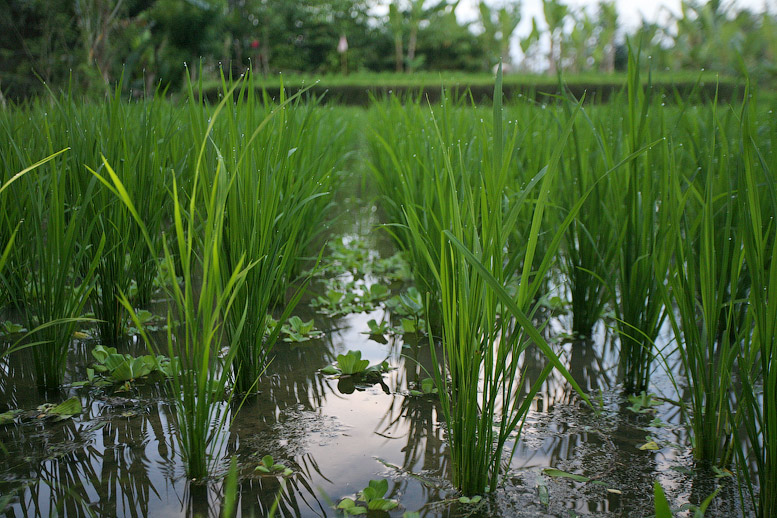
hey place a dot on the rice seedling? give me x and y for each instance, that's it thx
(282, 182)
(405, 147)
(643, 255)
(48, 287)
(8, 248)
(758, 359)
(703, 288)
(478, 376)
(137, 135)
(588, 256)
(131, 134)
(202, 301)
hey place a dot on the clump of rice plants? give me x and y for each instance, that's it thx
(643, 254)
(137, 137)
(50, 290)
(283, 175)
(203, 299)
(703, 286)
(589, 256)
(478, 376)
(129, 136)
(758, 359)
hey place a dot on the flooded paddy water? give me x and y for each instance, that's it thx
(118, 456)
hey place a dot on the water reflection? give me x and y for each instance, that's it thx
(120, 457)
(295, 495)
(112, 460)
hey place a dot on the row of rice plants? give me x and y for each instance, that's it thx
(664, 232)
(203, 215)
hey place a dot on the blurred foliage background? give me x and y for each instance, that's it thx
(91, 44)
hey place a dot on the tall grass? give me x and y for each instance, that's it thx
(9, 237)
(404, 146)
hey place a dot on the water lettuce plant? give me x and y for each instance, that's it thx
(424, 388)
(125, 367)
(371, 498)
(270, 467)
(297, 330)
(351, 363)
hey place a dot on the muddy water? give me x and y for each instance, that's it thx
(120, 458)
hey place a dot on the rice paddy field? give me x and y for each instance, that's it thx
(276, 307)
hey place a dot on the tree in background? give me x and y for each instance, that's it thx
(417, 14)
(39, 40)
(769, 34)
(97, 21)
(444, 43)
(607, 22)
(530, 43)
(396, 23)
(498, 29)
(580, 43)
(555, 14)
(278, 35)
(92, 43)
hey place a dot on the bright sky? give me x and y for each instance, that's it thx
(630, 12)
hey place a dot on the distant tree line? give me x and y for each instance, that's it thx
(93, 43)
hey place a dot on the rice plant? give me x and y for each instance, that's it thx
(405, 148)
(588, 256)
(204, 298)
(643, 254)
(758, 360)
(49, 287)
(283, 177)
(703, 286)
(478, 376)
